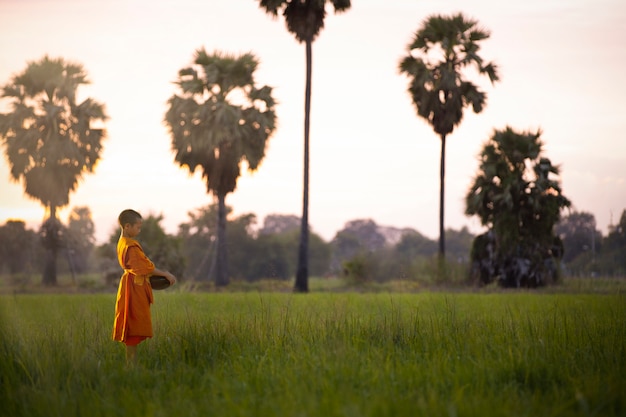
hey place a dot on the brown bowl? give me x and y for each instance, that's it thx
(159, 282)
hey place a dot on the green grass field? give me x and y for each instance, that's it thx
(319, 354)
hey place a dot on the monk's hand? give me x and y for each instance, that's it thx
(171, 278)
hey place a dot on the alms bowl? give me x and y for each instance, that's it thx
(159, 282)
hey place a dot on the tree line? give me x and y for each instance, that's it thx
(363, 251)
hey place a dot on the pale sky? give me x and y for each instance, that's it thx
(561, 62)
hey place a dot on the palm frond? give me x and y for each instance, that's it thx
(225, 122)
(48, 137)
(437, 56)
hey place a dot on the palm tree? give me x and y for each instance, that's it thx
(50, 140)
(517, 197)
(439, 53)
(220, 120)
(305, 19)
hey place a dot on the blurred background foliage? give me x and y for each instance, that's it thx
(362, 252)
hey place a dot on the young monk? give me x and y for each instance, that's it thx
(133, 322)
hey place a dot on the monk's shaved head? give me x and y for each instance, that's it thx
(128, 216)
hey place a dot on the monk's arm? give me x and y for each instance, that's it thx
(144, 266)
(166, 274)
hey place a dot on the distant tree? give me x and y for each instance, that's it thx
(200, 233)
(415, 257)
(105, 259)
(441, 51)
(517, 199)
(319, 256)
(367, 233)
(578, 232)
(404, 256)
(358, 237)
(17, 247)
(198, 240)
(415, 244)
(219, 120)
(81, 238)
(612, 261)
(50, 139)
(241, 245)
(274, 256)
(305, 20)
(345, 245)
(459, 244)
(279, 223)
(361, 268)
(617, 233)
(163, 249)
(252, 255)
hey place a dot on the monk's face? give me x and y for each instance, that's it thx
(132, 230)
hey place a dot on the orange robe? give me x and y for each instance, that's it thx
(134, 295)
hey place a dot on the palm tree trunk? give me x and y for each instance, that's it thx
(442, 186)
(302, 274)
(50, 269)
(221, 259)
(51, 245)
